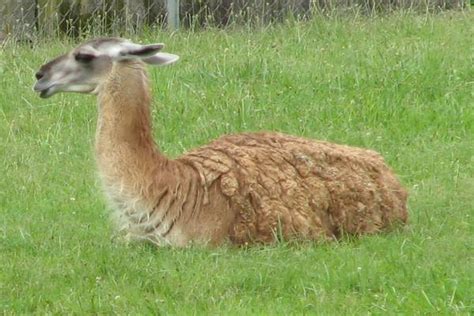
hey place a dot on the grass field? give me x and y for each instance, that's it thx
(400, 84)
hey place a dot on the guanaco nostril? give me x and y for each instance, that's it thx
(39, 75)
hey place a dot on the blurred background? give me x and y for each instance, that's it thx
(32, 19)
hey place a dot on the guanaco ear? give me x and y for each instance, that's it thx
(161, 59)
(148, 53)
(141, 51)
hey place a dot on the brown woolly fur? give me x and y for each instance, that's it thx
(308, 189)
(245, 188)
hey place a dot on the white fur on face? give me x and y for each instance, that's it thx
(67, 74)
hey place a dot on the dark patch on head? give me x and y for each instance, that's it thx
(84, 58)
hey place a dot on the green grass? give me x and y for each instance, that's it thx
(400, 84)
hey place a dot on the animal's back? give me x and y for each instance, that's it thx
(278, 184)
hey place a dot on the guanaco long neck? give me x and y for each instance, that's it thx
(126, 153)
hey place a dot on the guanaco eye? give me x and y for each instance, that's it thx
(39, 75)
(84, 58)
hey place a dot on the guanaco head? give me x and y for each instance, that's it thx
(84, 68)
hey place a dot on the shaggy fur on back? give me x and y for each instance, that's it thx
(298, 187)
